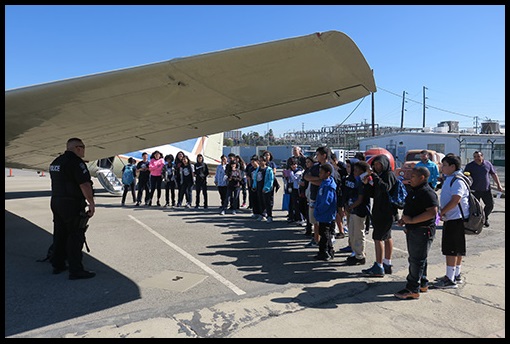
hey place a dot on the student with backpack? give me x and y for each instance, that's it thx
(129, 180)
(453, 242)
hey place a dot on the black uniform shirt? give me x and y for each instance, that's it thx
(67, 172)
(144, 175)
(417, 201)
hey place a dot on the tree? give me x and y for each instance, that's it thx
(228, 142)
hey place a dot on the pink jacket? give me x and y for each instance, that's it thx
(156, 166)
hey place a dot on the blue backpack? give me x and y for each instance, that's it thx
(399, 194)
(128, 176)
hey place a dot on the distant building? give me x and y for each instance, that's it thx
(233, 134)
(462, 144)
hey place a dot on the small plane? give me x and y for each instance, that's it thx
(108, 170)
(126, 110)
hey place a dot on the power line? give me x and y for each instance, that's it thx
(428, 105)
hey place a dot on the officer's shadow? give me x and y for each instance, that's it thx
(34, 297)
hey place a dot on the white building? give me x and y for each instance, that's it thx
(462, 144)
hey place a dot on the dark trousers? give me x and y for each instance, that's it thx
(243, 191)
(255, 202)
(233, 197)
(68, 238)
(185, 190)
(303, 208)
(419, 241)
(170, 189)
(127, 188)
(367, 223)
(294, 212)
(326, 232)
(201, 188)
(223, 196)
(266, 201)
(252, 198)
(143, 185)
(487, 199)
(155, 186)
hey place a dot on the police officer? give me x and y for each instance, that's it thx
(71, 190)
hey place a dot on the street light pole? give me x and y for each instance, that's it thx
(492, 149)
(403, 109)
(424, 107)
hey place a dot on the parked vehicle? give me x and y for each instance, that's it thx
(373, 152)
(411, 159)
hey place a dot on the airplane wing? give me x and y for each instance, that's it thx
(159, 103)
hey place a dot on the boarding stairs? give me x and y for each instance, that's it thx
(109, 181)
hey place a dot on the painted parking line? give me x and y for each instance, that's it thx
(197, 262)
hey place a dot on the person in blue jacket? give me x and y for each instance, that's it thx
(325, 212)
(263, 179)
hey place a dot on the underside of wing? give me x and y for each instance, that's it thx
(130, 109)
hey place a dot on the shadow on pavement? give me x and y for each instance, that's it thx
(34, 297)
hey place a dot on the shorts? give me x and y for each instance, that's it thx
(382, 233)
(453, 242)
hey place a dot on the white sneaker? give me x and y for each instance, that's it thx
(269, 219)
(261, 218)
(234, 212)
(222, 212)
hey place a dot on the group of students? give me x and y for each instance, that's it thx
(324, 191)
(420, 216)
(178, 173)
(256, 180)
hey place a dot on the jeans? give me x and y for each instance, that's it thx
(326, 233)
(419, 241)
(487, 199)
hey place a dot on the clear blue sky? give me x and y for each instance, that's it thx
(456, 51)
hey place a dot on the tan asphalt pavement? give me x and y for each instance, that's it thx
(278, 291)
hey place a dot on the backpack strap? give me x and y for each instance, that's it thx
(469, 190)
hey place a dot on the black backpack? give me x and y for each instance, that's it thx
(473, 223)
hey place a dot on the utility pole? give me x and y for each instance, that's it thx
(373, 115)
(402, 119)
(424, 107)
